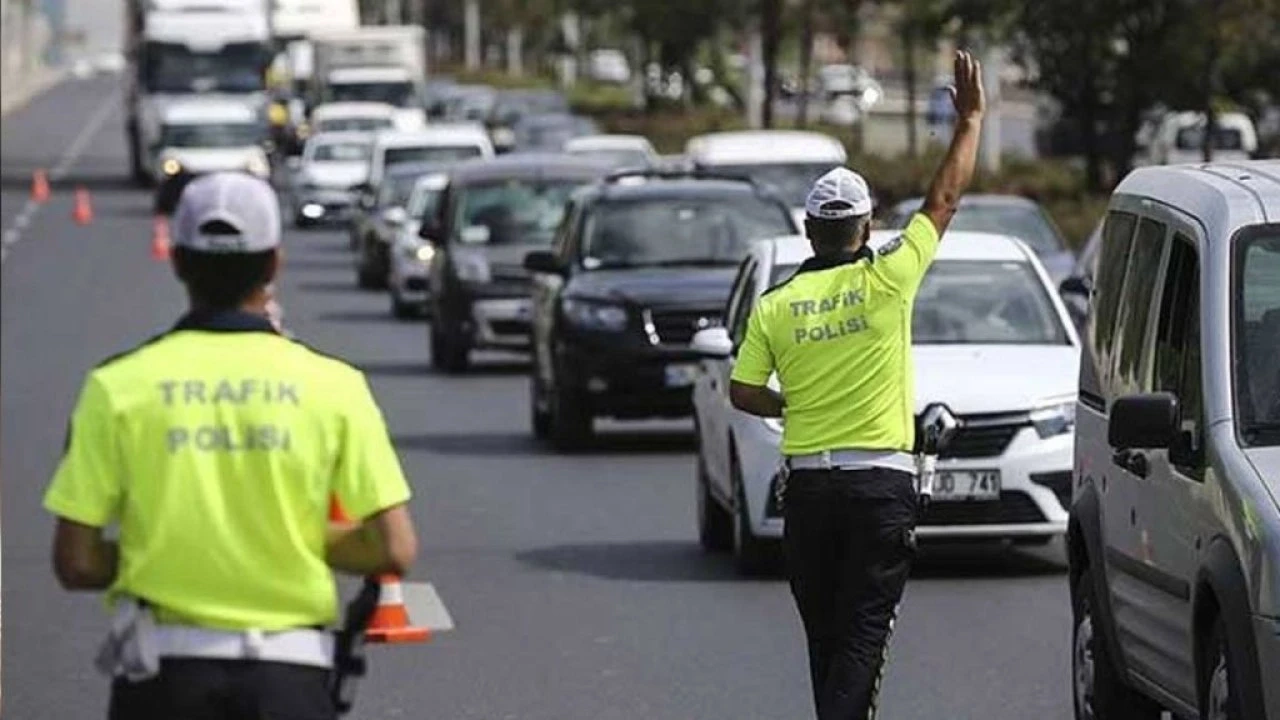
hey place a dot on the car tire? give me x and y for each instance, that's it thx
(401, 309)
(571, 424)
(539, 418)
(752, 555)
(367, 275)
(715, 525)
(1098, 690)
(1219, 674)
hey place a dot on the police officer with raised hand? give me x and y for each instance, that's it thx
(216, 448)
(838, 337)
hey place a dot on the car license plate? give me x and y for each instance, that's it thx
(962, 485)
(681, 375)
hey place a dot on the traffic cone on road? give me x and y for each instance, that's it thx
(390, 621)
(159, 238)
(39, 187)
(82, 212)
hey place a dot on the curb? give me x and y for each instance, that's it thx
(17, 95)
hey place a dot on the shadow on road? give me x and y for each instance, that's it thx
(357, 316)
(641, 561)
(948, 562)
(519, 443)
(326, 287)
(292, 263)
(394, 368)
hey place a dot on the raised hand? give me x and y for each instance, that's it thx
(967, 95)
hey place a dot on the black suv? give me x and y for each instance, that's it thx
(643, 260)
(492, 213)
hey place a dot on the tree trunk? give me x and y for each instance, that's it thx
(515, 51)
(472, 31)
(909, 75)
(771, 32)
(806, 62)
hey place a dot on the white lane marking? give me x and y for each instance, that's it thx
(68, 160)
(425, 607)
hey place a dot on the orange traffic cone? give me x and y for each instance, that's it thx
(82, 212)
(159, 238)
(39, 187)
(390, 621)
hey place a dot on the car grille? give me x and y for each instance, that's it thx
(984, 436)
(1013, 507)
(502, 272)
(509, 327)
(677, 327)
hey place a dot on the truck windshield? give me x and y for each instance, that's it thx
(236, 68)
(1257, 335)
(399, 94)
(211, 135)
(706, 230)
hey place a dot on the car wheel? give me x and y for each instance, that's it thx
(571, 422)
(367, 275)
(401, 309)
(751, 555)
(715, 526)
(448, 351)
(539, 416)
(1221, 702)
(1099, 693)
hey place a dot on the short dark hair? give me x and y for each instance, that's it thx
(833, 235)
(223, 280)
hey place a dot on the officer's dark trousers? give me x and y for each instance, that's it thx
(199, 689)
(850, 541)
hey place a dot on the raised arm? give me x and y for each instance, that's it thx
(956, 172)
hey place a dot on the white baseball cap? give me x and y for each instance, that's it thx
(840, 194)
(227, 212)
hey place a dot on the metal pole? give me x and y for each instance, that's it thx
(991, 145)
(755, 79)
(472, 20)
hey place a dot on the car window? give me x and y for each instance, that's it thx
(425, 201)
(342, 152)
(735, 292)
(964, 302)
(395, 190)
(738, 322)
(513, 211)
(432, 153)
(1028, 224)
(791, 181)
(1113, 260)
(1176, 351)
(680, 230)
(1256, 299)
(354, 124)
(1135, 304)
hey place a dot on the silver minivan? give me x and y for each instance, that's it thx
(1174, 535)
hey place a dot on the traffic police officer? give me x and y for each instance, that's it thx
(838, 336)
(217, 447)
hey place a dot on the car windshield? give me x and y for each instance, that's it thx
(395, 190)
(342, 152)
(705, 230)
(1257, 336)
(791, 181)
(967, 302)
(516, 211)
(211, 135)
(354, 124)
(1027, 223)
(429, 153)
(398, 93)
(425, 200)
(1192, 138)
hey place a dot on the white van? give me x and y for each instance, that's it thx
(788, 160)
(1178, 138)
(205, 135)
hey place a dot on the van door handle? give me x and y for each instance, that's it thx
(1135, 461)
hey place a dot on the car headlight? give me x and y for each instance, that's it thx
(1054, 417)
(424, 254)
(595, 315)
(472, 269)
(258, 166)
(170, 167)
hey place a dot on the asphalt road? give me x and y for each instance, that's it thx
(576, 584)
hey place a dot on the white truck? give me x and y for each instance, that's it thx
(295, 22)
(178, 49)
(373, 64)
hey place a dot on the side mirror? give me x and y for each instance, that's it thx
(1143, 422)
(1075, 285)
(395, 216)
(545, 262)
(712, 343)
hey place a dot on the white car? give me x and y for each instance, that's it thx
(627, 150)
(436, 143)
(787, 160)
(207, 135)
(367, 117)
(1178, 138)
(992, 341)
(411, 256)
(327, 177)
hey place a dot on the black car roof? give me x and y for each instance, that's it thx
(661, 188)
(531, 165)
